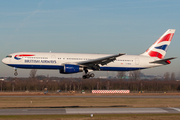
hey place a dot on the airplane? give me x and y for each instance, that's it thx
(68, 63)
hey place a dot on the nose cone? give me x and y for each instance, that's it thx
(4, 60)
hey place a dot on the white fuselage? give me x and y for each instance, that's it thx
(42, 60)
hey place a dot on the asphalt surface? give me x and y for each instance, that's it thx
(49, 111)
(64, 96)
(87, 111)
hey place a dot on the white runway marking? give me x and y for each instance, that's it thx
(175, 109)
(87, 111)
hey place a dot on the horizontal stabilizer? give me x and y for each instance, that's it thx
(167, 60)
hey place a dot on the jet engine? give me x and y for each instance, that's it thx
(70, 68)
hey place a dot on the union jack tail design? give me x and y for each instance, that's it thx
(159, 48)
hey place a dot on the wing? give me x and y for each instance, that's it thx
(163, 61)
(94, 64)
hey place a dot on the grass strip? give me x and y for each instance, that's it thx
(50, 102)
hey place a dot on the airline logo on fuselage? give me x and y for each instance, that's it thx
(18, 57)
(40, 61)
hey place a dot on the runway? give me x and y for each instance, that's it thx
(88, 111)
(103, 96)
(98, 110)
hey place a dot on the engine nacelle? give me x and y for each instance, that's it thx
(70, 68)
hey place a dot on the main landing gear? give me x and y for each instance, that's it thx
(15, 73)
(87, 74)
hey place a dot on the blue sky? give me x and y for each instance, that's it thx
(94, 26)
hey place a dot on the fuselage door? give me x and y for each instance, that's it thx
(137, 61)
(53, 57)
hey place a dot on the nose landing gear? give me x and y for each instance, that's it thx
(15, 73)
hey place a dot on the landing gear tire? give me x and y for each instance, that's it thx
(84, 76)
(15, 73)
(89, 75)
(92, 75)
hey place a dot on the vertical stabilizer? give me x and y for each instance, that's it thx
(159, 48)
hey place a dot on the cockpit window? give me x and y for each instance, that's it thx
(9, 56)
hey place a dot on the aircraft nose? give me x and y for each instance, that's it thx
(4, 60)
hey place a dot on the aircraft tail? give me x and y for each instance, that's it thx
(159, 48)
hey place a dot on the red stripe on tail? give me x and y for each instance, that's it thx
(167, 37)
(156, 54)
